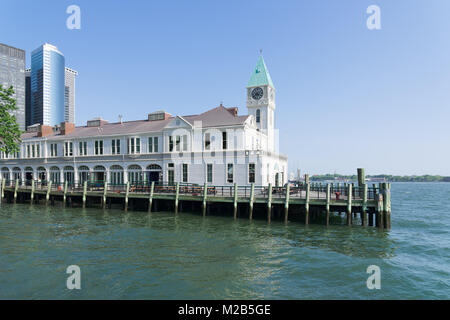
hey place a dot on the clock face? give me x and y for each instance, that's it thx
(257, 93)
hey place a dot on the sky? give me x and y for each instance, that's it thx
(347, 96)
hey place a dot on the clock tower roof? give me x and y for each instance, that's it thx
(260, 76)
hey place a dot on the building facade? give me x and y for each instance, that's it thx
(47, 85)
(218, 147)
(12, 73)
(69, 95)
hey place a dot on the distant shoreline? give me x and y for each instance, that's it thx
(381, 178)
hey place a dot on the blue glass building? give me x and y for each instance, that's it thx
(47, 85)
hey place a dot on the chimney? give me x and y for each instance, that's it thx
(44, 131)
(67, 128)
(233, 111)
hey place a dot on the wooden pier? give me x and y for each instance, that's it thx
(307, 202)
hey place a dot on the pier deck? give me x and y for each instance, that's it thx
(370, 202)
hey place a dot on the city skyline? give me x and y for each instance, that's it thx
(347, 96)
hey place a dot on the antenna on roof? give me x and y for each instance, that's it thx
(120, 118)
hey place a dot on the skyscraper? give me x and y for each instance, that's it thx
(69, 95)
(47, 85)
(12, 73)
(28, 121)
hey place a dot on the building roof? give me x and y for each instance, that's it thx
(216, 117)
(260, 76)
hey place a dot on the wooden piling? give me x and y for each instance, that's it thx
(150, 198)
(177, 194)
(105, 192)
(328, 206)
(387, 206)
(286, 203)
(16, 187)
(306, 178)
(47, 196)
(127, 193)
(84, 193)
(65, 193)
(349, 204)
(205, 194)
(32, 192)
(235, 203)
(307, 203)
(3, 188)
(252, 195)
(364, 206)
(269, 203)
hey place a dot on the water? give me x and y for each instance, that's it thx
(137, 255)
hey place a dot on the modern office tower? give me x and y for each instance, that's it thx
(28, 121)
(69, 95)
(47, 85)
(12, 73)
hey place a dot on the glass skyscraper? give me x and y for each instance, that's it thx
(47, 85)
(12, 73)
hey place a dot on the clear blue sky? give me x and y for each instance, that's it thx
(346, 96)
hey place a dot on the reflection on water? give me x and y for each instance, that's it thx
(167, 256)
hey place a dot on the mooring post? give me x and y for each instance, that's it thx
(387, 206)
(3, 188)
(105, 192)
(235, 201)
(84, 193)
(127, 193)
(252, 195)
(16, 187)
(328, 206)
(47, 196)
(32, 192)
(177, 194)
(364, 206)
(269, 203)
(349, 204)
(65, 193)
(306, 178)
(307, 204)
(286, 203)
(379, 211)
(150, 199)
(205, 194)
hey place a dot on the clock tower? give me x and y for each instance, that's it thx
(261, 101)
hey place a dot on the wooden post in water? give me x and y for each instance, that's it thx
(32, 192)
(235, 203)
(349, 204)
(84, 193)
(387, 206)
(269, 203)
(286, 203)
(328, 206)
(307, 204)
(105, 191)
(150, 198)
(252, 195)
(306, 178)
(379, 211)
(47, 196)
(364, 206)
(16, 187)
(65, 193)
(177, 194)
(3, 188)
(205, 194)
(127, 193)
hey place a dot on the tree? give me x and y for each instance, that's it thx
(9, 128)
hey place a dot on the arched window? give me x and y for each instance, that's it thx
(69, 175)
(6, 175)
(134, 173)
(83, 174)
(116, 175)
(258, 116)
(42, 174)
(55, 175)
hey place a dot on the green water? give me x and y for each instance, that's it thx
(137, 255)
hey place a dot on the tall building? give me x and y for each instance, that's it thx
(69, 95)
(12, 73)
(47, 85)
(28, 119)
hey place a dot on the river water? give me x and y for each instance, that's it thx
(136, 255)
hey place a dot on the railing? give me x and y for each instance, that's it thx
(316, 190)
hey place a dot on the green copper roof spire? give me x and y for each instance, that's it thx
(260, 75)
